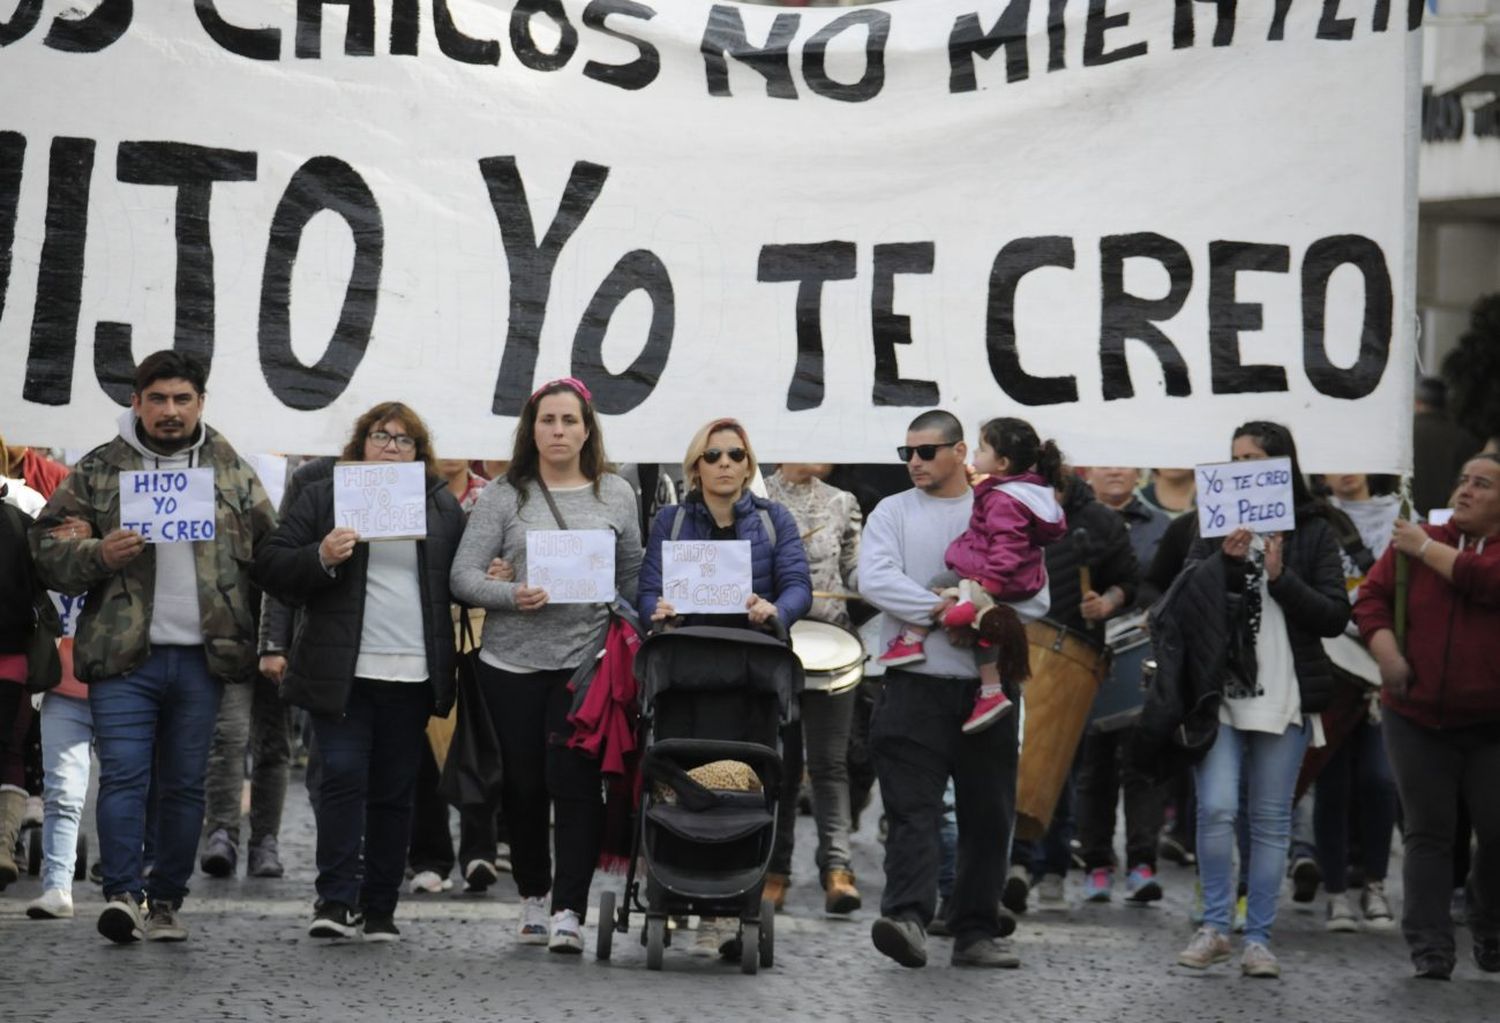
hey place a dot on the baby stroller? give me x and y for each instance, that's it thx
(707, 694)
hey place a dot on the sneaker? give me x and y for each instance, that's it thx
(901, 940)
(1207, 947)
(1340, 918)
(535, 925)
(567, 933)
(120, 921)
(163, 923)
(775, 889)
(479, 875)
(904, 649)
(264, 859)
(1172, 849)
(429, 882)
(1259, 961)
(502, 858)
(334, 920)
(52, 904)
(1376, 907)
(713, 934)
(1007, 921)
(1017, 887)
(960, 615)
(989, 952)
(1050, 897)
(220, 855)
(1141, 886)
(1241, 914)
(1487, 954)
(1097, 884)
(1196, 913)
(1305, 879)
(1432, 966)
(840, 897)
(987, 710)
(381, 928)
(939, 927)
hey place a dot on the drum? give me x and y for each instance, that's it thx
(1066, 669)
(1122, 694)
(832, 657)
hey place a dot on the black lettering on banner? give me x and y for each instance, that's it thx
(1183, 33)
(1126, 317)
(1227, 318)
(1017, 259)
(193, 171)
(531, 265)
(359, 36)
(892, 328)
(59, 282)
(1099, 22)
(1278, 21)
(104, 25)
(969, 40)
(322, 183)
(1331, 26)
(810, 266)
(1323, 257)
(724, 37)
(815, 57)
(614, 394)
(640, 72)
(1380, 20)
(406, 27)
(1057, 36)
(12, 166)
(456, 45)
(523, 44)
(254, 43)
(22, 21)
(1414, 12)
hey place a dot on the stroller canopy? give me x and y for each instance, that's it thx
(707, 658)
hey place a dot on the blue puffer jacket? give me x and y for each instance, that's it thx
(779, 575)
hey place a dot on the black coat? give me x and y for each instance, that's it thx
(320, 665)
(1104, 548)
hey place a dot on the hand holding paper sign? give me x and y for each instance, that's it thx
(761, 610)
(120, 548)
(338, 546)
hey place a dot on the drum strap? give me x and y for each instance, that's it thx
(765, 521)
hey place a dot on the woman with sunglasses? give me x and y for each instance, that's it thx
(372, 659)
(717, 470)
(558, 478)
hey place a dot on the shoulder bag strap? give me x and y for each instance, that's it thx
(551, 503)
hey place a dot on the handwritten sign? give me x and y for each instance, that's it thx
(381, 500)
(68, 609)
(1439, 516)
(1254, 494)
(574, 566)
(706, 577)
(168, 505)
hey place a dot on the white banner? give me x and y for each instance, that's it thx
(1136, 228)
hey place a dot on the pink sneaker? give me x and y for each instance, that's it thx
(987, 710)
(904, 649)
(960, 615)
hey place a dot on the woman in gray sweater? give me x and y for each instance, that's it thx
(558, 479)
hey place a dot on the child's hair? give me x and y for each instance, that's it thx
(1015, 440)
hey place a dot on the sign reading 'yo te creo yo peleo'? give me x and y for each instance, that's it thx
(381, 500)
(168, 505)
(1255, 494)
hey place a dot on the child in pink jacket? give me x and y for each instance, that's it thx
(999, 557)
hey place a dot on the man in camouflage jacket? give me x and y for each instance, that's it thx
(163, 628)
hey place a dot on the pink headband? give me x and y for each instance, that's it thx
(570, 382)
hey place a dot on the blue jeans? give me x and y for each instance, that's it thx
(1270, 764)
(164, 711)
(67, 736)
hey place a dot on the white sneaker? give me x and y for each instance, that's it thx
(535, 927)
(1050, 897)
(1341, 918)
(567, 935)
(1258, 961)
(1376, 907)
(427, 882)
(502, 858)
(52, 904)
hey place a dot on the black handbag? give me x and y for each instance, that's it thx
(472, 774)
(43, 665)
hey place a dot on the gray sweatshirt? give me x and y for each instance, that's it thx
(557, 635)
(175, 619)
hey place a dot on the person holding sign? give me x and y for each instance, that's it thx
(373, 658)
(1442, 689)
(165, 625)
(558, 481)
(1260, 606)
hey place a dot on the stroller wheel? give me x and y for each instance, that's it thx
(767, 944)
(749, 948)
(606, 925)
(656, 941)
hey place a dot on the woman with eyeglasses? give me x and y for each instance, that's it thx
(717, 470)
(373, 657)
(558, 479)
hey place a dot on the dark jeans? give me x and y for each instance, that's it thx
(861, 763)
(1435, 768)
(530, 713)
(15, 728)
(368, 763)
(824, 732)
(918, 742)
(1358, 767)
(1104, 768)
(431, 839)
(251, 716)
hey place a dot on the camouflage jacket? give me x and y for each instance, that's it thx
(114, 627)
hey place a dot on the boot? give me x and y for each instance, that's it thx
(12, 808)
(839, 894)
(775, 889)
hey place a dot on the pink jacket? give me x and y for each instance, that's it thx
(1014, 517)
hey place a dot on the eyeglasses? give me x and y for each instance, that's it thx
(712, 455)
(404, 441)
(926, 452)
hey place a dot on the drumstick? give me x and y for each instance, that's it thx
(830, 595)
(1084, 580)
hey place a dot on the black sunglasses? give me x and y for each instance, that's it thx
(926, 452)
(712, 455)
